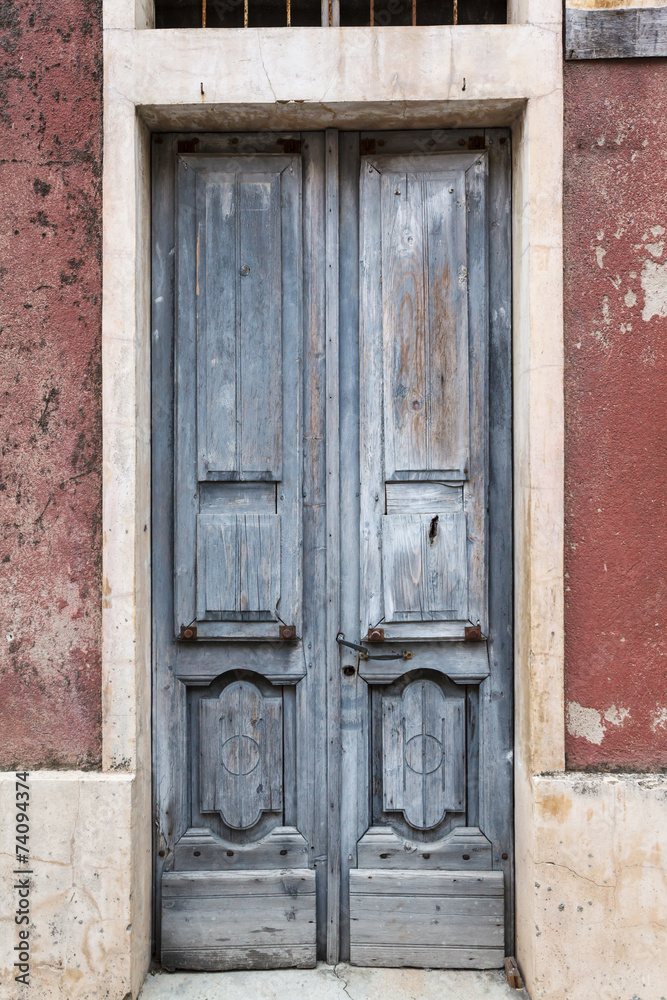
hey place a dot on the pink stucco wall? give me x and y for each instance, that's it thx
(50, 299)
(616, 413)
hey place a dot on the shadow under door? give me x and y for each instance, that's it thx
(332, 557)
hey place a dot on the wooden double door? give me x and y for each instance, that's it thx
(331, 526)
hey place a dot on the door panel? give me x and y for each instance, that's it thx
(423, 325)
(331, 454)
(238, 323)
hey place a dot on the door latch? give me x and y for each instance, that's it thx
(365, 654)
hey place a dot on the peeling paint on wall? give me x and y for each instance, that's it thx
(50, 301)
(615, 221)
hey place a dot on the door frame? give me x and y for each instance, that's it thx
(342, 160)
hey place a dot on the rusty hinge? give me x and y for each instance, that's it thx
(188, 145)
(513, 974)
(476, 142)
(291, 146)
(188, 633)
(366, 147)
(375, 635)
(473, 633)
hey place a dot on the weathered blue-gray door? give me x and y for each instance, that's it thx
(332, 549)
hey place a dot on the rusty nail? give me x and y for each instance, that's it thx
(188, 633)
(288, 631)
(473, 633)
(375, 635)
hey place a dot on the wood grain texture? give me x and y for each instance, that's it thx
(463, 847)
(199, 849)
(423, 753)
(426, 919)
(223, 920)
(241, 755)
(333, 653)
(461, 662)
(238, 323)
(423, 407)
(615, 34)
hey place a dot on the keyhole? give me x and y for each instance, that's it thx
(433, 530)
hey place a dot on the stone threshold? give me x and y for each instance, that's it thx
(326, 982)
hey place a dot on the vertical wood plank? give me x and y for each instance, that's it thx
(448, 407)
(333, 542)
(355, 696)
(404, 329)
(371, 394)
(312, 812)
(260, 326)
(217, 282)
(496, 737)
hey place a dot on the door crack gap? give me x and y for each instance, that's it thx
(343, 981)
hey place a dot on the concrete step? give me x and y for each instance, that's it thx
(326, 982)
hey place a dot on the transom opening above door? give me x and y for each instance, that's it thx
(325, 13)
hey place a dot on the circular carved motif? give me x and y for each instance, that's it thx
(240, 755)
(423, 754)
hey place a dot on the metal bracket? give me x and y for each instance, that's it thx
(473, 633)
(188, 633)
(365, 654)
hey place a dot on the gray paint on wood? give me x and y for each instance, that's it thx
(424, 320)
(423, 753)
(237, 340)
(182, 668)
(199, 849)
(241, 755)
(495, 713)
(426, 919)
(272, 910)
(462, 847)
(461, 662)
(615, 34)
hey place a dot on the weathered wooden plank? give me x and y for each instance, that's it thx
(224, 959)
(241, 755)
(259, 498)
(495, 728)
(200, 850)
(201, 662)
(232, 917)
(355, 701)
(418, 957)
(423, 498)
(259, 330)
(478, 334)
(445, 212)
(615, 34)
(462, 662)
(424, 567)
(435, 921)
(333, 555)
(463, 847)
(311, 693)
(286, 884)
(217, 312)
(423, 745)
(404, 322)
(377, 882)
